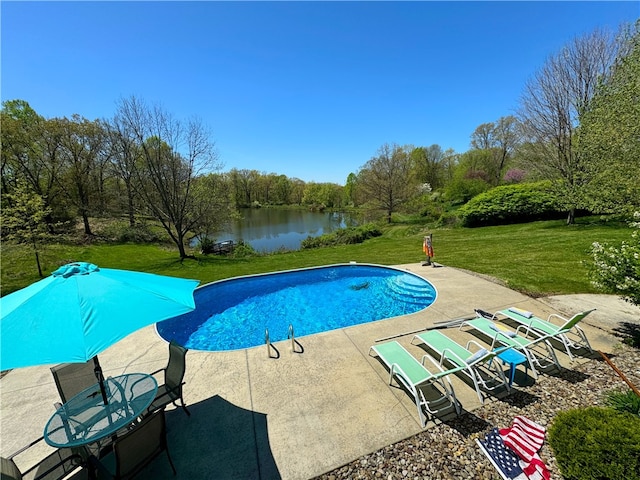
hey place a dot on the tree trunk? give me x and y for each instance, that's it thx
(132, 218)
(571, 217)
(85, 221)
(35, 251)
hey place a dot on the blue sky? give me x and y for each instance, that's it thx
(310, 90)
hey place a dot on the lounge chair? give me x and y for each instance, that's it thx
(477, 366)
(530, 347)
(413, 375)
(561, 332)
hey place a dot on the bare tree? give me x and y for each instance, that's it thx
(552, 104)
(174, 155)
(386, 178)
(124, 153)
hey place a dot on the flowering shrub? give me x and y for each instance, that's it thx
(514, 175)
(617, 269)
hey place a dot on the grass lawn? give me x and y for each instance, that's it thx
(538, 258)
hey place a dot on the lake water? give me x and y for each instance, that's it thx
(269, 230)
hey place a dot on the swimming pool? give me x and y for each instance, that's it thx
(234, 313)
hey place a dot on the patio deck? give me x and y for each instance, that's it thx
(300, 415)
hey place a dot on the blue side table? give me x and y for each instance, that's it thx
(513, 358)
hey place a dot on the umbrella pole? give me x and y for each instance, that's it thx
(98, 371)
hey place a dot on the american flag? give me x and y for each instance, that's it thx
(525, 438)
(505, 461)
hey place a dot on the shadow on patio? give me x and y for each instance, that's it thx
(218, 440)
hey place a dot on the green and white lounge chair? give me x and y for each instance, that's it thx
(414, 376)
(538, 350)
(477, 366)
(561, 331)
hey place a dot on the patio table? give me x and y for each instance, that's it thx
(512, 358)
(85, 419)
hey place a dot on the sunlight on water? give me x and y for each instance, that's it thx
(234, 314)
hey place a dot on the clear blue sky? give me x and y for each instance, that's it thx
(306, 89)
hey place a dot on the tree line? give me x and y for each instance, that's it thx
(577, 125)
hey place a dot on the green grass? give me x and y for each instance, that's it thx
(538, 258)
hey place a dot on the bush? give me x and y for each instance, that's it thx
(206, 245)
(461, 190)
(623, 401)
(243, 250)
(596, 443)
(344, 236)
(617, 269)
(139, 233)
(506, 204)
(448, 220)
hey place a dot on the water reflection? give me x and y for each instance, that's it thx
(269, 230)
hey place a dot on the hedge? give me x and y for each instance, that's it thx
(523, 202)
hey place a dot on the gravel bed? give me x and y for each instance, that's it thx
(449, 450)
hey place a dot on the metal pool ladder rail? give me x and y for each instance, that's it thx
(293, 341)
(269, 346)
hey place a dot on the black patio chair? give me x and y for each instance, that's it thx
(132, 452)
(59, 464)
(72, 378)
(171, 390)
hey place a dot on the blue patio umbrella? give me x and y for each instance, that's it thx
(81, 309)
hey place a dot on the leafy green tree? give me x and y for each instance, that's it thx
(428, 162)
(212, 204)
(610, 131)
(350, 189)
(321, 195)
(297, 191)
(81, 144)
(616, 269)
(282, 190)
(23, 219)
(245, 183)
(469, 177)
(31, 153)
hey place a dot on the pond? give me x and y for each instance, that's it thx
(271, 229)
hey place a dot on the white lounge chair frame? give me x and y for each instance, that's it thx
(439, 380)
(530, 347)
(484, 373)
(562, 332)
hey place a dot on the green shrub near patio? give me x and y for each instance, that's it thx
(596, 443)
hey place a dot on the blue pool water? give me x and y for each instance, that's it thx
(234, 313)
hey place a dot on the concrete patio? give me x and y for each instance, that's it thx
(302, 414)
